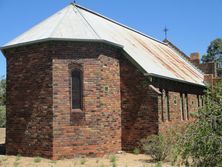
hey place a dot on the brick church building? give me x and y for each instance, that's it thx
(79, 83)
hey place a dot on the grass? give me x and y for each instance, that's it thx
(112, 158)
(18, 157)
(52, 162)
(16, 164)
(74, 163)
(114, 164)
(4, 159)
(158, 164)
(102, 165)
(82, 161)
(136, 151)
(37, 159)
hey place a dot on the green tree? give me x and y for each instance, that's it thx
(214, 54)
(2, 92)
(2, 102)
(201, 144)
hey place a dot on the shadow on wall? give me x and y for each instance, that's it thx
(2, 149)
(139, 108)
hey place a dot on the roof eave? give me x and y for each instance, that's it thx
(60, 39)
(174, 79)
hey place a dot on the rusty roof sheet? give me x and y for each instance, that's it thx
(77, 23)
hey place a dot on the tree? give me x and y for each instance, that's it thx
(202, 140)
(2, 103)
(2, 92)
(214, 54)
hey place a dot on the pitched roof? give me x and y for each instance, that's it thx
(77, 23)
(175, 48)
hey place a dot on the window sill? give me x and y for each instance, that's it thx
(76, 110)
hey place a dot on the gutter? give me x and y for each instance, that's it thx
(174, 79)
(61, 39)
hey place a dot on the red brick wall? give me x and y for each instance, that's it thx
(29, 101)
(176, 118)
(118, 108)
(139, 107)
(99, 132)
(209, 68)
(142, 107)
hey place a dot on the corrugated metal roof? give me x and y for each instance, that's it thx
(77, 23)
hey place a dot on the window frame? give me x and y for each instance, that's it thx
(162, 104)
(187, 106)
(167, 101)
(182, 106)
(79, 69)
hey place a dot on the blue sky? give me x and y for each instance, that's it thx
(192, 23)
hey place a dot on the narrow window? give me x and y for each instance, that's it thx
(167, 106)
(175, 100)
(198, 100)
(181, 106)
(162, 108)
(76, 89)
(186, 107)
(202, 101)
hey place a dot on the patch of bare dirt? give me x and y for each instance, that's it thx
(123, 160)
(118, 160)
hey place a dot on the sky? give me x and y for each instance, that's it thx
(192, 24)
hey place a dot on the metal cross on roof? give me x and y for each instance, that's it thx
(165, 31)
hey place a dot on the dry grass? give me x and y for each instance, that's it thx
(121, 160)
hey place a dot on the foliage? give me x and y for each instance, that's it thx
(18, 157)
(158, 164)
(136, 151)
(2, 117)
(2, 102)
(164, 145)
(82, 161)
(214, 54)
(157, 146)
(16, 164)
(114, 164)
(2, 92)
(201, 144)
(214, 51)
(37, 159)
(112, 158)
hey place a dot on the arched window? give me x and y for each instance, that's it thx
(77, 89)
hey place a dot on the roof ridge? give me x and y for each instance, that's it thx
(86, 21)
(120, 24)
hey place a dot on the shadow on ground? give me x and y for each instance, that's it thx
(2, 149)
